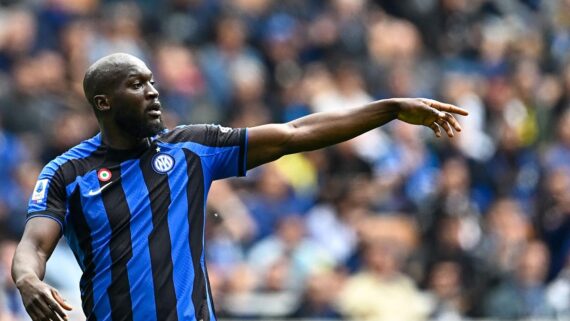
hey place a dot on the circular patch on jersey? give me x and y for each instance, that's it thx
(162, 163)
(104, 174)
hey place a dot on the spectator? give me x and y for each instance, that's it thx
(381, 291)
(523, 295)
(318, 301)
(558, 292)
(445, 283)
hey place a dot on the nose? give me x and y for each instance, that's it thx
(152, 93)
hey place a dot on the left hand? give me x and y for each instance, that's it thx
(430, 113)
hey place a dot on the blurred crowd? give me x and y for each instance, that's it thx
(393, 225)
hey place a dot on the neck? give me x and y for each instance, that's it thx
(116, 138)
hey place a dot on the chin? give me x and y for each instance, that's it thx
(153, 128)
(142, 127)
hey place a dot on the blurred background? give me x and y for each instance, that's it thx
(393, 225)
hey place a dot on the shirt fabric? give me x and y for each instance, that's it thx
(135, 219)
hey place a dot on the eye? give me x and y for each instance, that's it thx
(152, 82)
(137, 85)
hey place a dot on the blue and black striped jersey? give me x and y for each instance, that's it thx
(135, 219)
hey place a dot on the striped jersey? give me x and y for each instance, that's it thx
(135, 219)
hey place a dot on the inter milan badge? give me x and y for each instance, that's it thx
(162, 163)
(104, 174)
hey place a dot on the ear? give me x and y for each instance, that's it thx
(101, 103)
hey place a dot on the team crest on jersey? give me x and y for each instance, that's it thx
(104, 175)
(162, 163)
(40, 190)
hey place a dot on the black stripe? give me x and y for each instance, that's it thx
(83, 234)
(207, 135)
(195, 195)
(159, 241)
(120, 246)
(81, 166)
(241, 158)
(65, 175)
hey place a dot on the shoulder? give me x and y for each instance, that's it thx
(204, 134)
(75, 157)
(184, 133)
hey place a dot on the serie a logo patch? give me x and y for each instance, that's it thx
(40, 190)
(162, 163)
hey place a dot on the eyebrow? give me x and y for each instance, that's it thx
(139, 74)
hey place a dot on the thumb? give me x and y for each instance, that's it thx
(61, 300)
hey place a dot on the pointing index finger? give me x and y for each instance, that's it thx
(447, 107)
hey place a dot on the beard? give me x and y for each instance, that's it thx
(140, 126)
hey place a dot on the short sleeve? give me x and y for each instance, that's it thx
(222, 150)
(49, 197)
(228, 159)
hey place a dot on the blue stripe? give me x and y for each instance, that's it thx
(73, 242)
(207, 184)
(70, 235)
(96, 217)
(139, 267)
(178, 225)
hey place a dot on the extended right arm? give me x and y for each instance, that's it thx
(267, 143)
(42, 302)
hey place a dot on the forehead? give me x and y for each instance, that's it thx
(134, 69)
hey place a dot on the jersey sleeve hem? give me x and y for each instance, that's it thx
(242, 159)
(46, 214)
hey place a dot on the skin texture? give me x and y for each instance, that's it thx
(120, 89)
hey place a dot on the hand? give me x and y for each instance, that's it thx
(42, 302)
(430, 113)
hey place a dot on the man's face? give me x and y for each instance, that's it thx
(134, 102)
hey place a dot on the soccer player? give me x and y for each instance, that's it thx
(131, 200)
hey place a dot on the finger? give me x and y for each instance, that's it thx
(54, 303)
(53, 315)
(33, 312)
(36, 309)
(435, 129)
(446, 127)
(450, 119)
(45, 312)
(56, 309)
(48, 313)
(446, 107)
(62, 302)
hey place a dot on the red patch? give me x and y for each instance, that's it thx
(104, 174)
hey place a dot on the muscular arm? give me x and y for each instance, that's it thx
(269, 142)
(37, 244)
(28, 269)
